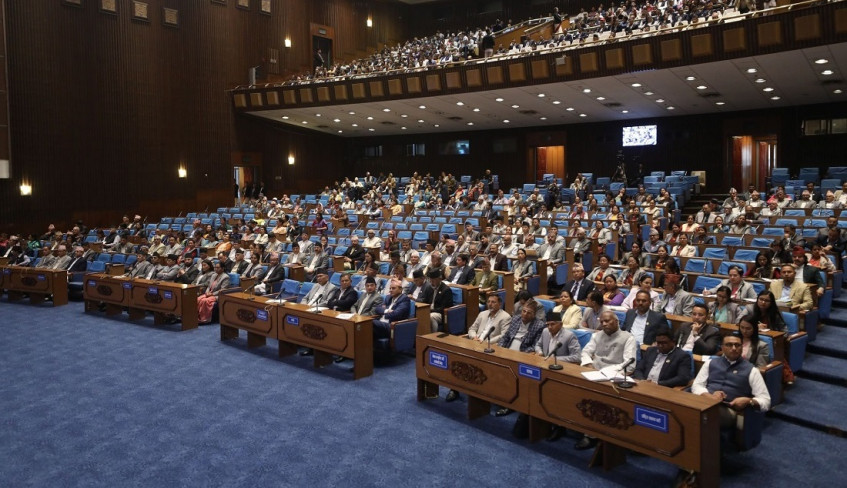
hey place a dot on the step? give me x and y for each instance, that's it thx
(816, 405)
(831, 342)
(826, 369)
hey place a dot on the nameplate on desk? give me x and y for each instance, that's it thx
(92, 283)
(127, 286)
(7, 271)
(168, 295)
(41, 277)
(530, 372)
(152, 290)
(292, 320)
(438, 359)
(262, 315)
(651, 419)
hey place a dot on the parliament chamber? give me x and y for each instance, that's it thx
(312, 242)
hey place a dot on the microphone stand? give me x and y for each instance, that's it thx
(626, 384)
(488, 350)
(317, 310)
(555, 366)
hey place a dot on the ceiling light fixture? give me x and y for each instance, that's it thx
(515, 106)
(470, 123)
(543, 118)
(767, 89)
(460, 104)
(498, 99)
(720, 103)
(837, 91)
(386, 110)
(505, 121)
(752, 70)
(760, 80)
(671, 108)
(420, 121)
(569, 109)
(371, 129)
(821, 61)
(624, 111)
(370, 118)
(586, 90)
(476, 110)
(317, 115)
(355, 125)
(648, 93)
(336, 120)
(636, 85)
(690, 78)
(583, 115)
(601, 98)
(351, 113)
(827, 72)
(556, 102)
(660, 100)
(774, 97)
(403, 115)
(422, 107)
(541, 95)
(702, 87)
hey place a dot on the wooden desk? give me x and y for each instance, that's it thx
(243, 311)
(39, 283)
(327, 335)
(509, 286)
(296, 272)
(470, 297)
(667, 424)
(4, 261)
(139, 296)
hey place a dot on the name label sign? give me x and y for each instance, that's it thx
(530, 372)
(168, 295)
(7, 271)
(92, 283)
(152, 290)
(292, 320)
(41, 277)
(262, 315)
(651, 419)
(127, 286)
(438, 359)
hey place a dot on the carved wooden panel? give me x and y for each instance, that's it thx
(256, 99)
(433, 83)
(588, 62)
(540, 69)
(807, 27)
(701, 45)
(642, 54)
(358, 90)
(413, 84)
(769, 33)
(340, 92)
(395, 87)
(377, 89)
(473, 77)
(517, 72)
(564, 68)
(671, 50)
(734, 40)
(495, 75)
(323, 94)
(306, 95)
(614, 58)
(454, 80)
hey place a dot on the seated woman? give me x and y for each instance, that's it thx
(672, 267)
(819, 260)
(723, 310)
(660, 259)
(567, 311)
(205, 275)
(690, 226)
(206, 302)
(645, 283)
(593, 308)
(522, 268)
(699, 336)
(599, 232)
(486, 281)
(718, 227)
(752, 349)
(602, 270)
(762, 268)
(632, 273)
(683, 249)
(612, 296)
(701, 236)
(765, 315)
(635, 252)
(672, 236)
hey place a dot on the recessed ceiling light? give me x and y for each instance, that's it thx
(648, 93)
(767, 89)
(420, 121)
(660, 100)
(355, 125)
(836, 91)
(470, 123)
(671, 108)
(752, 70)
(543, 118)
(541, 95)
(352, 113)
(284, 117)
(624, 111)
(556, 102)
(317, 115)
(720, 103)
(601, 98)
(583, 115)
(386, 110)
(402, 128)
(422, 107)
(690, 78)
(515, 106)
(827, 72)
(403, 115)
(305, 122)
(459, 104)
(370, 118)
(371, 129)
(569, 109)
(340, 131)
(498, 99)
(336, 120)
(436, 126)
(505, 121)
(586, 90)
(476, 110)
(775, 97)
(821, 61)
(702, 87)
(636, 85)
(760, 80)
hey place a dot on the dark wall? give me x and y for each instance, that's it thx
(104, 109)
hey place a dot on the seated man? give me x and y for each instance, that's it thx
(169, 271)
(567, 350)
(442, 299)
(342, 299)
(462, 273)
(419, 289)
(318, 263)
(734, 381)
(396, 307)
(369, 300)
(579, 286)
(674, 301)
(320, 293)
(522, 335)
(354, 253)
(607, 351)
(664, 364)
(276, 272)
(642, 322)
(554, 253)
(809, 275)
(790, 292)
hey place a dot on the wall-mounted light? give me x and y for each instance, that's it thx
(291, 159)
(369, 22)
(287, 42)
(26, 189)
(4, 169)
(182, 172)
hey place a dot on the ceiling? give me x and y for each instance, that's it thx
(783, 79)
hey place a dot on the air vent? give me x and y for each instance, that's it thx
(612, 104)
(454, 118)
(529, 112)
(711, 95)
(323, 127)
(386, 122)
(832, 82)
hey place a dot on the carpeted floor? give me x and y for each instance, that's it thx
(93, 401)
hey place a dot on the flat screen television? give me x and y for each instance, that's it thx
(639, 135)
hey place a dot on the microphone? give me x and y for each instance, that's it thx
(553, 350)
(316, 310)
(555, 366)
(626, 383)
(247, 290)
(488, 350)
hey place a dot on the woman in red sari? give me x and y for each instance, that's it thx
(206, 302)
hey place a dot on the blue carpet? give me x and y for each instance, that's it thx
(816, 404)
(829, 369)
(93, 401)
(832, 341)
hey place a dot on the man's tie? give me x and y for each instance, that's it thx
(575, 290)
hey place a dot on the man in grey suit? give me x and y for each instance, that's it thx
(318, 263)
(554, 253)
(318, 296)
(675, 300)
(567, 351)
(141, 267)
(369, 300)
(495, 319)
(169, 271)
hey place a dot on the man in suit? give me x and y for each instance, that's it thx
(790, 291)
(554, 253)
(642, 322)
(419, 289)
(239, 265)
(319, 295)
(522, 334)
(396, 307)
(254, 269)
(675, 300)
(579, 286)
(77, 263)
(62, 259)
(567, 351)
(342, 299)
(809, 274)
(470, 234)
(499, 262)
(664, 364)
(318, 263)
(462, 274)
(276, 272)
(169, 271)
(581, 244)
(494, 319)
(442, 299)
(189, 272)
(369, 299)
(141, 267)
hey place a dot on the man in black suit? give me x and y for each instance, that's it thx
(664, 364)
(276, 272)
(354, 254)
(77, 264)
(579, 286)
(420, 290)
(343, 298)
(498, 260)
(442, 299)
(642, 322)
(462, 274)
(240, 264)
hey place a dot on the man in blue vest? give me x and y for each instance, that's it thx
(733, 380)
